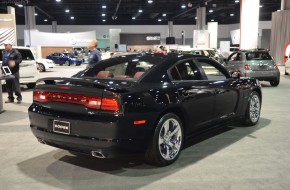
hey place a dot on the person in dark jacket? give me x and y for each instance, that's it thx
(12, 58)
(95, 54)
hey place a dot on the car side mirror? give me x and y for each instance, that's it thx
(236, 75)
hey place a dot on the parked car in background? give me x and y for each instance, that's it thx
(254, 63)
(27, 68)
(150, 104)
(45, 64)
(212, 53)
(65, 59)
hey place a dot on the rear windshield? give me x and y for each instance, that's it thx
(258, 56)
(125, 69)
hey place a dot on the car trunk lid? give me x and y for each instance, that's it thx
(77, 95)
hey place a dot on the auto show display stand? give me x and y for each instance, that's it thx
(1, 99)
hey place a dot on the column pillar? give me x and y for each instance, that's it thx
(114, 39)
(11, 10)
(285, 5)
(54, 26)
(212, 28)
(29, 17)
(201, 15)
(280, 31)
(170, 28)
(249, 23)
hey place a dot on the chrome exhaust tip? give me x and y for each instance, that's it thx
(41, 141)
(97, 154)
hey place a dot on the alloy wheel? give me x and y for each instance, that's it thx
(170, 139)
(254, 108)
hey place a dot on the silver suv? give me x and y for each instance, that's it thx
(254, 63)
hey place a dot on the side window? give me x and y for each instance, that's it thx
(206, 53)
(197, 52)
(183, 71)
(212, 72)
(235, 57)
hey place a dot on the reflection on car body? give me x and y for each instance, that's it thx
(148, 104)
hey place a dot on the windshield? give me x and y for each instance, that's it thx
(258, 56)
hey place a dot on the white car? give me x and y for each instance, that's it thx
(287, 66)
(45, 64)
(27, 68)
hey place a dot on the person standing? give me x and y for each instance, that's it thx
(12, 58)
(95, 54)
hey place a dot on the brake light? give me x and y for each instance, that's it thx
(110, 104)
(247, 67)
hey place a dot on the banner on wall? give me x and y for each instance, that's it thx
(225, 48)
(200, 39)
(79, 39)
(7, 30)
(235, 36)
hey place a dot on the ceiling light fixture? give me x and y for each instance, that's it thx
(279, 10)
(163, 14)
(45, 20)
(104, 7)
(232, 14)
(133, 18)
(212, 20)
(150, 1)
(210, 11)
(35, 14)
(20, 5)
(183, 6)
(196, 18)
(140, 11)
(159, 20)
(237, 1)
(58, 0)
(103, 14)
(104, 20)
(67, 10)
(261, 6)
(72, 17)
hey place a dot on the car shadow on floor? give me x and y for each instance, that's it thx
(59, 168)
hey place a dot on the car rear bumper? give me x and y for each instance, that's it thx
(109, 148)
(111, 135)
(264, 75)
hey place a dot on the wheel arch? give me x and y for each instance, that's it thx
(177, 111)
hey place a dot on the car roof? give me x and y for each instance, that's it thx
(252, 50)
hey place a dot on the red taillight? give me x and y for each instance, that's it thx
(247, 67)
(109, 104)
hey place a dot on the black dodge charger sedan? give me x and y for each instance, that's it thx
(150, 103)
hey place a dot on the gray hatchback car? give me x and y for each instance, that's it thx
(254, 63)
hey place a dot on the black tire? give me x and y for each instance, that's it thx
(31, 85)
(274, 82)
(41, 67)
(253, 110)
(67, 63)
(164, 153)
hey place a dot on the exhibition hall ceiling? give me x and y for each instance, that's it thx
(134, 12)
